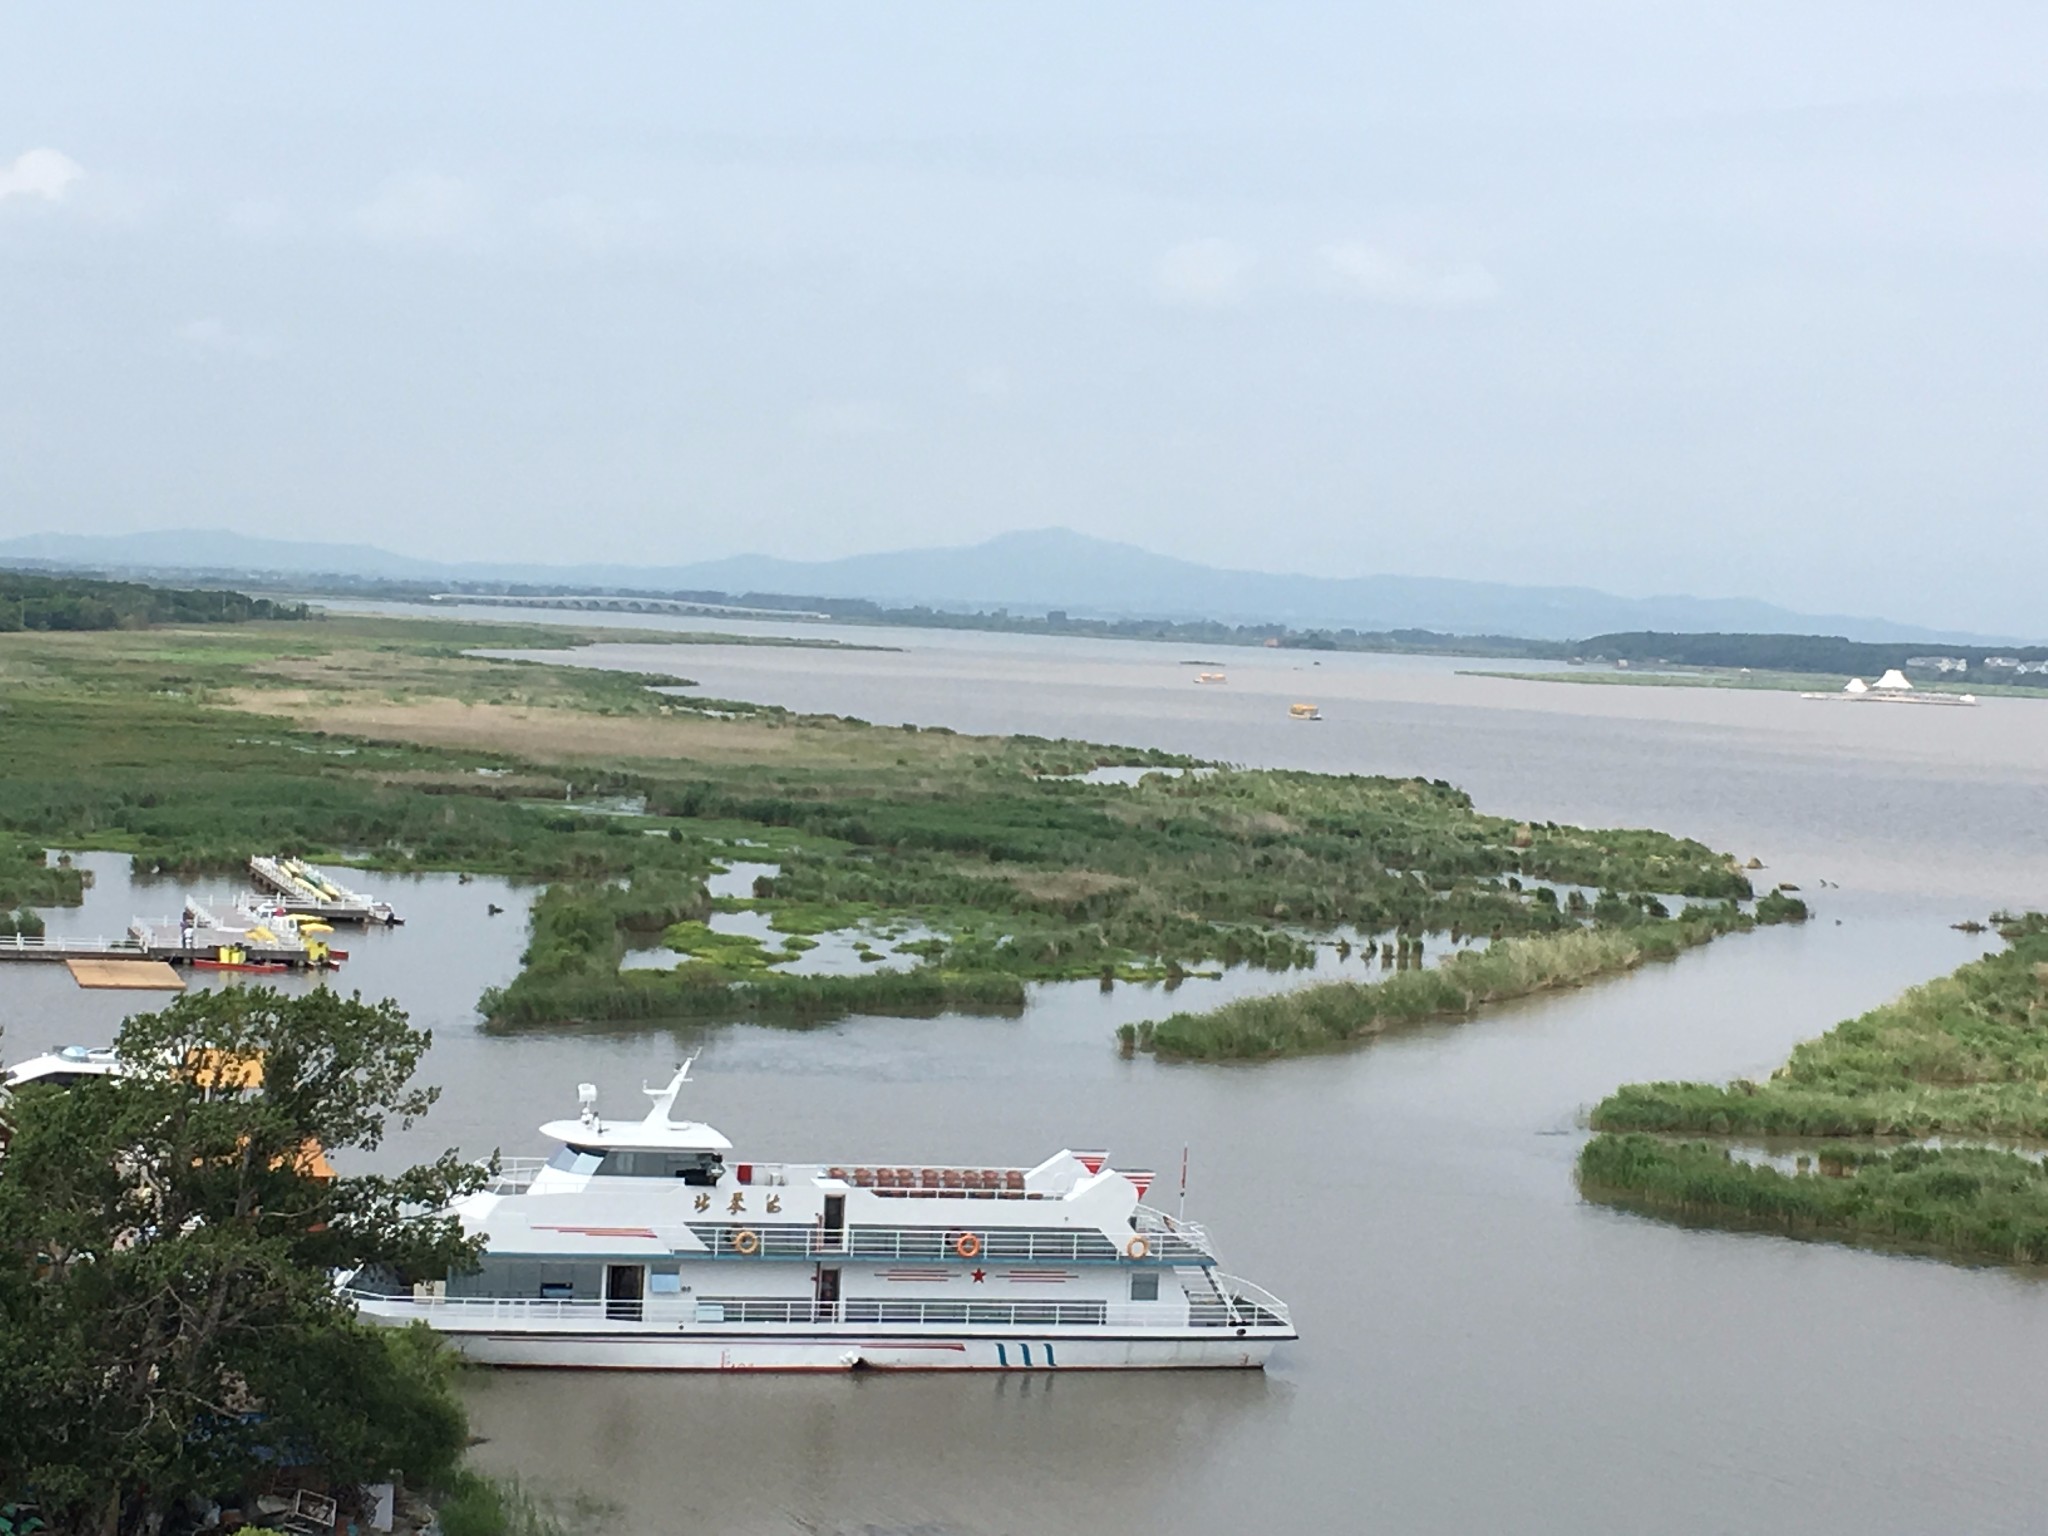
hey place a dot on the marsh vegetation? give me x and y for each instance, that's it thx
(1319, 1018)
(1965, 1056)
(393, 744)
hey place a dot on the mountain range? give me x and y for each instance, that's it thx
(1053, 568)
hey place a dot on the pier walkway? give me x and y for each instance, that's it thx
(24, 946)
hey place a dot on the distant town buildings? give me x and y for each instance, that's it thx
(1938, 663)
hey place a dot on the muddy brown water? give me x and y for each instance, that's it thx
(1481, 1350)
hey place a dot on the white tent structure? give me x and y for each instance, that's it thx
(1892, 688)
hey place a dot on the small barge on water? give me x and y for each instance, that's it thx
(640, 1245)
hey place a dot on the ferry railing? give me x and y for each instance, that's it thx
(855, 1312)
(1237, 1303)
(514, 1175)
(1172, 1231)
(1187, 1244)
(874, 1312)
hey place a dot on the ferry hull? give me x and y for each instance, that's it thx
(668, 1352)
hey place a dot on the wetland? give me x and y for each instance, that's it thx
(1482, 1348)
(394, 745)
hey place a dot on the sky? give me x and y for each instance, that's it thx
(1722, 299)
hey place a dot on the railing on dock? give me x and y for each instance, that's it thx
(37, 946)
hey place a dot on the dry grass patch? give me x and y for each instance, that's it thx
(542, 734)
(1063, 887)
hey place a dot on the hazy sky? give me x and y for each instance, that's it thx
(1720, 298)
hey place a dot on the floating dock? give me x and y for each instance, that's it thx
(246, 940)
(125, 975)
(305, 891)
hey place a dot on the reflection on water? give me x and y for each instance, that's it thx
(1481, 1351)
(870, 1454)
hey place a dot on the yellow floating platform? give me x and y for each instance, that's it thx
(126, 975)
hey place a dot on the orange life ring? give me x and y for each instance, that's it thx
(967, 1245)
(1138, 1248)
(746, 1241)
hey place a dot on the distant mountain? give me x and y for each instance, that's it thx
(214, 549)
(1053, 568)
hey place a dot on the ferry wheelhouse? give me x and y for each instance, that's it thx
(646, 1244)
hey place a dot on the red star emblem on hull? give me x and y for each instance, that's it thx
(980, 1275)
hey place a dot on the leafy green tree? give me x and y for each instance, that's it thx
(169, 1322)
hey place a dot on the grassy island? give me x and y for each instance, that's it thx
(1962, 1057)
(1320, 1018)
(970, 865)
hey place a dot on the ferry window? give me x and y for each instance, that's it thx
(700, 1168)
(575, 1159)
(1145, 1285)
(646, 1163)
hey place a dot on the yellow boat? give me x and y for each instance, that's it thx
(1304, 712)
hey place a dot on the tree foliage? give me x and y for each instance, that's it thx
(169, 1323)
(81, 602)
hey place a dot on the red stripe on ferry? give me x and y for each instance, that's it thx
(600, 1231)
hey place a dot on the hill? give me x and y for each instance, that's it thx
(1039, 570)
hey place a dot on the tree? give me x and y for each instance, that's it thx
(168, 1237)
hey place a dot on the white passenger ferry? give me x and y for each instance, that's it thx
(644, 1245)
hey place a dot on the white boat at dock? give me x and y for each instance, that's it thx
(308, 892)
(641, 1244)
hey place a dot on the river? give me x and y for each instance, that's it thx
(1480, 1351)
